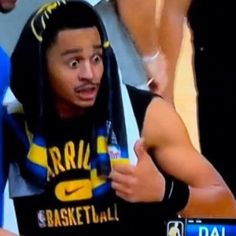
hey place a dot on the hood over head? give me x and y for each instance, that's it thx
(29, 81)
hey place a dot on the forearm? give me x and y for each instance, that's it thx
(210, 202)
(170, 33)
(139, 18)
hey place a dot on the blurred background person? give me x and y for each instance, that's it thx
(214, 69)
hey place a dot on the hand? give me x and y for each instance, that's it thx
(159, 80)
(140, 183)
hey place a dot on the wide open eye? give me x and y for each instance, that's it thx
(74, 63)
(97, 59)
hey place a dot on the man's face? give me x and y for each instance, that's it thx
(75, 70)
(7, 5)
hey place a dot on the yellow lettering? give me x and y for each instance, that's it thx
(70, 155)
(56, 159)
(64, 217)
(94, 215)
(80, 154)
(51, 6)
(103, 217)
(86, 158)
(79, 216)
(50, 173)
(109, 215)
(49, 218)
(115, 211)
(72, 220)
(57, 221)
(86, 209)
(48, 7)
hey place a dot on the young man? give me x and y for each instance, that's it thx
(69, 148)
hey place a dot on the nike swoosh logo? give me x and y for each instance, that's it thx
(69, 192)
(74, 190)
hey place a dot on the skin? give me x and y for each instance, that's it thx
(75, 69)
(136, 15)
(7, 5)
(170, 34)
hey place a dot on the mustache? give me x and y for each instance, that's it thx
(86, 85)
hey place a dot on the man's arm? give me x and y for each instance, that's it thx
(170, 33)
(139, 18)
(176, 156)
(198, 189)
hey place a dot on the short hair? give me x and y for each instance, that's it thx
(68, 17)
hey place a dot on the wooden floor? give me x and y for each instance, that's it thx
(185, 94)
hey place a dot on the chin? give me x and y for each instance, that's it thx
(87, 104)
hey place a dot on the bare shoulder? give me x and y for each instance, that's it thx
(167, 139)
(162, 124)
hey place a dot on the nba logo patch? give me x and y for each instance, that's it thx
(41, 219)
(114, 151)
(175, 228)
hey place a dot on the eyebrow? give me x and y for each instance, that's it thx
(78, 50)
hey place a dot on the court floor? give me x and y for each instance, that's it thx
(185, 93)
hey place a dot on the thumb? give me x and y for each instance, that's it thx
(140, 149)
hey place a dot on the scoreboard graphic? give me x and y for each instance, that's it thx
(201, 227)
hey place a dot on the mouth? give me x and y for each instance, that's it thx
(87, 91)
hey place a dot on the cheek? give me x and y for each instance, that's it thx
(99, 73)
(61, 83)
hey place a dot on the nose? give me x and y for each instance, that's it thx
(86, 70)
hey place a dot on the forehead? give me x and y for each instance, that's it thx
(85, 36)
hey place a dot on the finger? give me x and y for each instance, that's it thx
(140, 150)
(123, 168)
(123, 192)
(120, 187)
(126, 197)
(118, 177)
